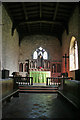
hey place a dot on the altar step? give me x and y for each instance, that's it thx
(38, 89)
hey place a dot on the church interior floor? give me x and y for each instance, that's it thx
(38, 105)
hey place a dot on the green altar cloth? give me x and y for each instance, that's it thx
(39, 76)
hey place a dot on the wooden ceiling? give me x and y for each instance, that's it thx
(49, 18)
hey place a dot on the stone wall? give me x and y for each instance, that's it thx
(66, 38)
(0, 38)
(0, 59)
(10, 44)
(30, 43)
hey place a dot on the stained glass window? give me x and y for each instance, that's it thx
(45, 55)
(35, 55)
(42, 52)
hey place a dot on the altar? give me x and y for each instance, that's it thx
(40, 76)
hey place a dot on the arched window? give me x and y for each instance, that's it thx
(73, 54)
(35, 55)
(42, 52)
(45, 55)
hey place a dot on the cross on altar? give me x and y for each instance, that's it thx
(65, 56)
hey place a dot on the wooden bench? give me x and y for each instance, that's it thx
(6, 98)
(71, 98)
(71, 91)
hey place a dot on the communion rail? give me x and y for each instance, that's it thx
(56, 81)
(22, 81)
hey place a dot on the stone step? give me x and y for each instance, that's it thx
(38, 91)
(37, 88)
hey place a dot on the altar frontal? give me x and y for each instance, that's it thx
(39, 76)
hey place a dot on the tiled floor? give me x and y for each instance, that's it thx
(38, 105)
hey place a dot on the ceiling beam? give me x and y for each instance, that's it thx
(32, 8)
(48, 8)
(47, 12)
(40, 16)
(26, 16)
(63, 14)
(40, 11)
(56, 10)
(24, 9)
(13, 5)
(41, 21)
(63, 10)
(33, 12)
(55, 14)
(65, 6)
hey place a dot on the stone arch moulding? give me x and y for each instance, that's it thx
(73, 54)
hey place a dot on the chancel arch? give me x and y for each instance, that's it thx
(73, 54)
